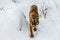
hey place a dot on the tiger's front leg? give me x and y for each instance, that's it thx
(31, 31)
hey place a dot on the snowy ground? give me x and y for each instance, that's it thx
(12, 16)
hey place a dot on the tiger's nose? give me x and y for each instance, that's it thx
(33, 17)
(34, 20)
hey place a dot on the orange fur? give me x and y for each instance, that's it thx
(33, 18)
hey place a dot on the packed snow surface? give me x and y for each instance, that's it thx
(14, 14)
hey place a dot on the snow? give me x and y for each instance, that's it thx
(12, 18)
